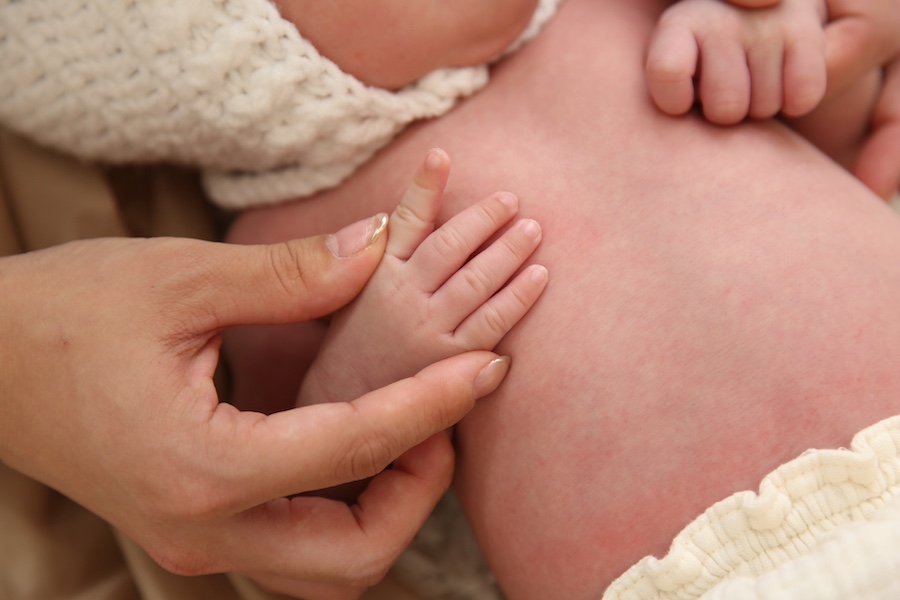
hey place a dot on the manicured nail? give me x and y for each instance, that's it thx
(355, 238)
(491, 376)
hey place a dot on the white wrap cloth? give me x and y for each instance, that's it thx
(225, 85)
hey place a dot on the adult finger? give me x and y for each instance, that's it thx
(878, 164)
(859, 36)
(332, 550)
(293, 281)
(257, 458)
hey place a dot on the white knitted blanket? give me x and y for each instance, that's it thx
(226, 85)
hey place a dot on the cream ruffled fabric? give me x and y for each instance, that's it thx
(226, 85)
(825, 525)
(859, 561)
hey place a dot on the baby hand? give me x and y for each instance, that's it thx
(746, 62)
(436, 293)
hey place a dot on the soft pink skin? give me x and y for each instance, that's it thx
(390, 43)
(110, 347)
(721, 300)
(746, 63)
(825, 66)
(437, 292)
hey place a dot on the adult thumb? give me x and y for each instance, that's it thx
(291, 281)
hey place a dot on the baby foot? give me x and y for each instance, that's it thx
(434, 294)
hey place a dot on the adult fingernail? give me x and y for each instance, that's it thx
(491, 376)
(355, 238)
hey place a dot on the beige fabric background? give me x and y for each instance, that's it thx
(50, 547)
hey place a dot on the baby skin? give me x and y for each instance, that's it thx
(433, 295)
(746, 62)
(395, 42)
(800, 59)
(705, 323)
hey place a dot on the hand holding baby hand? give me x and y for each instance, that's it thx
(109, 348)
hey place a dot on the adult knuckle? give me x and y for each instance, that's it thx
(178, 275)
(287, 263)
(368, 455)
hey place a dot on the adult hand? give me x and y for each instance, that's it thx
(106, 394)
(878, 163)
(861, 35)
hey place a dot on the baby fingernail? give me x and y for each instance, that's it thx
(508, 199)
(355, 238)
(491, 375)
(539, 274)
(434, 159)
(530, 228)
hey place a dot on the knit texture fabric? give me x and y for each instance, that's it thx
(225, 85)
